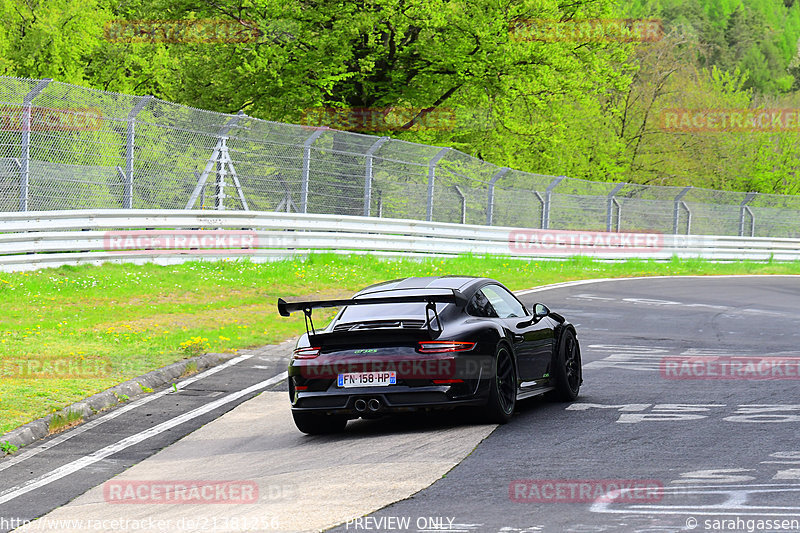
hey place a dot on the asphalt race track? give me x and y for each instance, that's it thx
(652, 444)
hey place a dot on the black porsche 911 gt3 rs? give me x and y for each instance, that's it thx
(428, 343)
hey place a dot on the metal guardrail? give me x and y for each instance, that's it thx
(31, 240)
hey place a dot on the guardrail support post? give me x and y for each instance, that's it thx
(307, 169)
(463, 203)
(127, 192)
(431, 178)
(25, 157)
(490, 201)
(222, 136)
(612, 201)
(368, 174)
(676, 211)
(546, 204)
(744, 208)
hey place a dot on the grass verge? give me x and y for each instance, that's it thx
(70, 332)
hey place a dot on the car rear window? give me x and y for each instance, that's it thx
(362, 313)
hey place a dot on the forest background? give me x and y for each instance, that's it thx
(586, 108)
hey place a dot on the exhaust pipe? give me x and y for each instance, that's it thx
(374, 404)
(360, 405)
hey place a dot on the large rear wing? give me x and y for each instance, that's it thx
(452, 296)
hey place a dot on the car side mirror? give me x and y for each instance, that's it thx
(540, 311)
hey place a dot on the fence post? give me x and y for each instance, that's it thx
(307, 168)
(541, 202)
(368, 174)
(219, 188)
(25, 157)
(127, 193)
(546, 206)
(612, 201)
(463, 203)
(490, 201)
(678, 202)
(743, 207)
(214, 159)
(431, 178)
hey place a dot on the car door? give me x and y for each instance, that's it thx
(533, 342)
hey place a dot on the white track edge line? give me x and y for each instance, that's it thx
(127, 442)
(28, 453)
(575, 283)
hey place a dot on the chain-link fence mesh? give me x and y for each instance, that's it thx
(68, 147)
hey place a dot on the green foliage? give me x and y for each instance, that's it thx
(759, 37)
(61, 421)
(8, 448)
(584, 109)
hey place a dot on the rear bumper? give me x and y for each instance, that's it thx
(390, 400)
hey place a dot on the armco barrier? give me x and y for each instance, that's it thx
(31, 240)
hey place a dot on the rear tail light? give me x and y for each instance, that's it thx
(444, 346)
(447, 381)
(300, 387)
(306, 353)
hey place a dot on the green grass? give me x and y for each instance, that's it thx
(62, 421)
(116, 322)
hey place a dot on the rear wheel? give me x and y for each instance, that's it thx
(318, 424)
(502, 389)
(567, 368)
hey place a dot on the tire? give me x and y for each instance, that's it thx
(567, 371)
(502, 389)
(318, 424)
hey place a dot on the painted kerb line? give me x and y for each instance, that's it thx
(127, 442)
(30, 452)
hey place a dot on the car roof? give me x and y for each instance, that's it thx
(461, 283)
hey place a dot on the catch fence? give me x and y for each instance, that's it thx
(64, 147)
